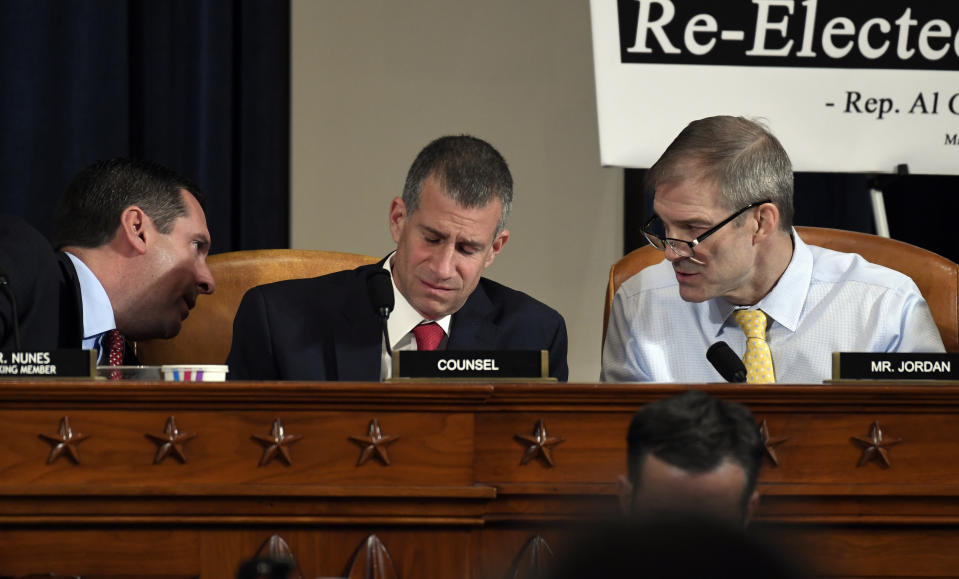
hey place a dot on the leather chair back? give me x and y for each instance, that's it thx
(207, 333)
(936, 276)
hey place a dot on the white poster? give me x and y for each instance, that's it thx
(851, 86)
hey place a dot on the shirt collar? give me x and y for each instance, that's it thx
(97, 309)
(783, 303)
(404, 318)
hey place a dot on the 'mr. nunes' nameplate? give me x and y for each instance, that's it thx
(880, 366)
(48, 364)
(450, 364)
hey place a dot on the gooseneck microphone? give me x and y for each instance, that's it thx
(726, 362)
(14, 319)
(379, 283)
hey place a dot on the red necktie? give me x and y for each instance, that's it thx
(428, 336)
(113, 341)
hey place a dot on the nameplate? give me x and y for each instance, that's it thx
(48, 364)
(898, 366)
(458, 364)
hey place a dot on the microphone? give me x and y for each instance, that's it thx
(726, 362)
(379, 283)
(14, 322)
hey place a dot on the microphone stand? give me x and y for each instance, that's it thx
(384, 316)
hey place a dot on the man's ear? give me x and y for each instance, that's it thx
(397, 218)
(497, 246)
(751, 506)
(625, 490)
(767, 221)
(133, 225)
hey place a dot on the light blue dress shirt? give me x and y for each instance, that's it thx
(824, 302)
(97, 309)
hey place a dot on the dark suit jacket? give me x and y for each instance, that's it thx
(71, 311)
(29, 264)
(325, 329)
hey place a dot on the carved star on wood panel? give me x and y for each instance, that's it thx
(65, 443)
(876, 446)
(171, 442)
(374, 444)
(539, 444)
(770, 444)
(277, 444)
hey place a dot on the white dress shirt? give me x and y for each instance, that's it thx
(97, 309)
(824, 302)
(401, 323)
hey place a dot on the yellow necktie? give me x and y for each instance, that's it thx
(758, 359)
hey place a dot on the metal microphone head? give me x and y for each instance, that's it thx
(726, 362)
(380, 287)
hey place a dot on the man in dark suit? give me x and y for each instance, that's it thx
(134, 242)
(448, 226)
(28, 281)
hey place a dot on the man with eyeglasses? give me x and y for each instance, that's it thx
(736, 271)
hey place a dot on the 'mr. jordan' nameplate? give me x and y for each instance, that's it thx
(48, 364)
(898, 366)
(461, 364)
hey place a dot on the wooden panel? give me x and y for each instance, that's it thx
(820, 448)
(415, 553)
(457, 499)
(85, 551)
(499, 549)
(431, 446)
(592, 450)
(864, 551)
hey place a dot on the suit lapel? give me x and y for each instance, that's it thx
(359, 342)
(71, 306)
(472, 327)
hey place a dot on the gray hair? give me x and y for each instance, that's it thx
(745, 161)
(470, 170)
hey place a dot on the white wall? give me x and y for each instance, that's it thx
(376, 80)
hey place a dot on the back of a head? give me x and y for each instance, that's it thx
(471, 171)
(741, 156)
(672, 548)
(88, 212)
(695, 432)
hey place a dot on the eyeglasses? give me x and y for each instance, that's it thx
(655, 232)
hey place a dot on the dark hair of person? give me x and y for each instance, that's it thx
(88, 212)
(740, 156)
(695, 432)
(470, 170)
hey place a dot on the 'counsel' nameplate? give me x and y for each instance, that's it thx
(457, 364)
(882, 366)
(48, 364)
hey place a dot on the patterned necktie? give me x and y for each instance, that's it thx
(758, 359)
(428, 336)
(113, 342)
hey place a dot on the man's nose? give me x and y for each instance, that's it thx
(204, 279)
(443, 262)
(671, 254)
